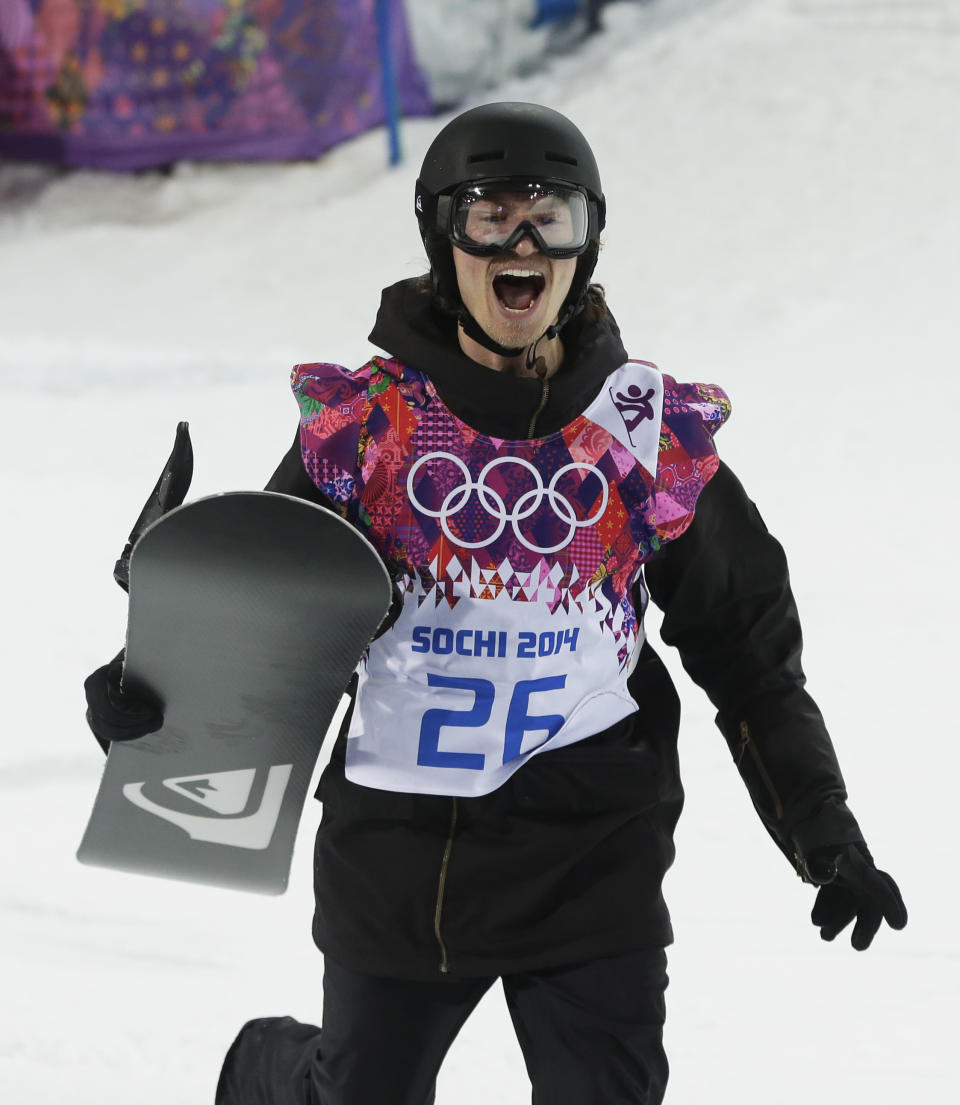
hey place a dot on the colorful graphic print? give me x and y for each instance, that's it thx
(562, 520)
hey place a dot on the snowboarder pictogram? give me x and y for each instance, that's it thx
(634, 405)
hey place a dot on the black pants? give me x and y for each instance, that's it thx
(591, 1034)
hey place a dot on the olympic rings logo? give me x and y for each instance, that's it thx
(492, 502)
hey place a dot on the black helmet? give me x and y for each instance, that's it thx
(502, 142)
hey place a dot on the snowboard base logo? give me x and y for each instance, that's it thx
(225, 795)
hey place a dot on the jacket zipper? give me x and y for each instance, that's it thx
(445, 863)
(747, 742)
(444, 961)
(544, 396)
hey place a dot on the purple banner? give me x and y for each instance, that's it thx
(129, 84)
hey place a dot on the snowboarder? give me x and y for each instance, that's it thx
(501, 800)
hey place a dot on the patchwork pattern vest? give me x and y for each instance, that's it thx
(521, 561)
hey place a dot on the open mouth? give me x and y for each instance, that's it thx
(518, 291)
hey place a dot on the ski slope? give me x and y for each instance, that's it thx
(782, 180)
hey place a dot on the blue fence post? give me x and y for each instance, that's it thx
(388, 79)
(548, 10)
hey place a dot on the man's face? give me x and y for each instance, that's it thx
(514, 296)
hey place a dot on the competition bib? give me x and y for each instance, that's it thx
(453, 701)
(518, 630)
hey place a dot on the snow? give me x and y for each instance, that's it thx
(781, 180)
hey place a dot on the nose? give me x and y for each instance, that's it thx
(525, 247)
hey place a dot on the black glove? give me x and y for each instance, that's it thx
(170, 491)
(852, 887)
(116, 713)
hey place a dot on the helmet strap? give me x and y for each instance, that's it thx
(446, 295)
(473, 329)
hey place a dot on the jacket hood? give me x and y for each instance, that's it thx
(409, 328)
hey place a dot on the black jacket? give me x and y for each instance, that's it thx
(565, 861)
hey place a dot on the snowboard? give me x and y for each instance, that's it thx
(248, 614)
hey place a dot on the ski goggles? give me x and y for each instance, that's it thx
(491, 217)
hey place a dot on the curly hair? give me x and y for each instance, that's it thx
(595, 304)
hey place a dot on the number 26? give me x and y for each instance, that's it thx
(519, 720)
